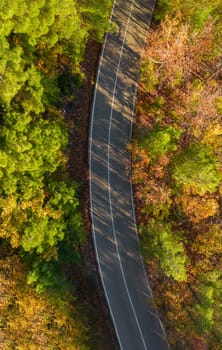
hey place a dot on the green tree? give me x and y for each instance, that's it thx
(41, 227)
(95, 14)
(160, 141)
(193, 12)
(207, 311)
(161, 243)
(198, 168)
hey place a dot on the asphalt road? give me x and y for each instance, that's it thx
(123, 276)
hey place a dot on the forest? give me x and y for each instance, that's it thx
(177, 169)
(41, 222)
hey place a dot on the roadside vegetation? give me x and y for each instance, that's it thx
(41, 225)
(177, 169)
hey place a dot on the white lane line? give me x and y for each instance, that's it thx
(90, 175)
(90, 182)
(109, 186)
(131, 187)
(131, 132)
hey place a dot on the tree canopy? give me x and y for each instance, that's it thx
(198, 168)
(41, 224)
(177, 169)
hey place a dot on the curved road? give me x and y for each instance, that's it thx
(122, 272)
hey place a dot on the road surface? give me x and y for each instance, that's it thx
(122, 272)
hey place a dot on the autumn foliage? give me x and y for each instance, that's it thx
(177, 172)
(41, 225)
